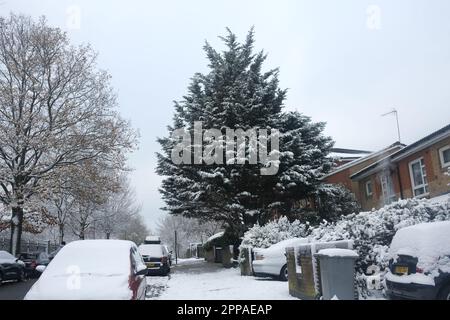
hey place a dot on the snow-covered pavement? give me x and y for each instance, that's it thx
(195, 279)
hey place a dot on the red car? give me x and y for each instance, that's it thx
(93, 270)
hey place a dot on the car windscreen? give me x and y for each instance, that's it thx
(152, 250)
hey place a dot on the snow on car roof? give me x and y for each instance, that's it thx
(93, 256)
(426, 241)
(287, 243)
(86, 269)
(4, 255)
(152, 238)
(152, 250)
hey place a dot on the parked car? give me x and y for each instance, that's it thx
(156, 258)
(419, 266)
(11, 268)
(272, 261)
(93, 269)
(32, 260)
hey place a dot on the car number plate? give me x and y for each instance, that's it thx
(150, 265)
(401, 270)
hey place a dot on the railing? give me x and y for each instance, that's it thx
(30, 246)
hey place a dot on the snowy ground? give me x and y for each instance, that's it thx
(195, 279)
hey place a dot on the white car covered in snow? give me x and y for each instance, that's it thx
(419, 266)
(272, 261)
(93, 270)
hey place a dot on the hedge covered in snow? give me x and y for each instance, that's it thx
(371, 231)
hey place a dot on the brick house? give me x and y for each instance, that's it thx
(417, 170)
(341, 174)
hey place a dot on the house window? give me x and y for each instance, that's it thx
(387, 188)
(444, 154)
(418, 175)
(369, 190)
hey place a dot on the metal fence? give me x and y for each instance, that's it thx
(30, 245)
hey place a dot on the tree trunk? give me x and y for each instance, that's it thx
(16, 230)
(61, 233)
(108, 234)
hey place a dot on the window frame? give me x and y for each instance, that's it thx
(424, 185)
(369, 194)
(441, 156)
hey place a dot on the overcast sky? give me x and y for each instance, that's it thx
(344, 62)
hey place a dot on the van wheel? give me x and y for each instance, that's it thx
(284, 273)
(444, 294)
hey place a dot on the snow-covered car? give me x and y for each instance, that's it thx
(156, 258)
(272, 260)
(11, 268)
(93, 270)
(419, 266)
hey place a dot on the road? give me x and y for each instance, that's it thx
(13, 290)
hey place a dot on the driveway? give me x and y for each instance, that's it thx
(197, 279)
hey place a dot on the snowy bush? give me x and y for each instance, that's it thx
(274, 232)
(371, 231)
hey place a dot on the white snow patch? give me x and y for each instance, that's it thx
(223, 284)
(215, 236)
(336, 252)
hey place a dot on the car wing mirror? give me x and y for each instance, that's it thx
(40, 268)
(141, 270)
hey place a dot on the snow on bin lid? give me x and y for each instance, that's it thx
(336, 252)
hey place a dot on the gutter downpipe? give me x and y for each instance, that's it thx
(399, 181)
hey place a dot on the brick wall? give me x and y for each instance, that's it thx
(437, 179)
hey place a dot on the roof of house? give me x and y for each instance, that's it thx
(403, 153)
(422, 143)
(374, 167)
(364, 158)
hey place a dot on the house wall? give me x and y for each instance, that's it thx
(343, 177)
(376, 200)
(438, 181)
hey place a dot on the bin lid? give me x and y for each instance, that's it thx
(337, 253)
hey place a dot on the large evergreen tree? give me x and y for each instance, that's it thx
(236, 93)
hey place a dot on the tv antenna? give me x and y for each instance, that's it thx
(394, 111)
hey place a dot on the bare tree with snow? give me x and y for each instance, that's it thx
(56, 110)
(119, 208)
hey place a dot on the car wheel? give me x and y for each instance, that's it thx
(444, 294)
(284, 273)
